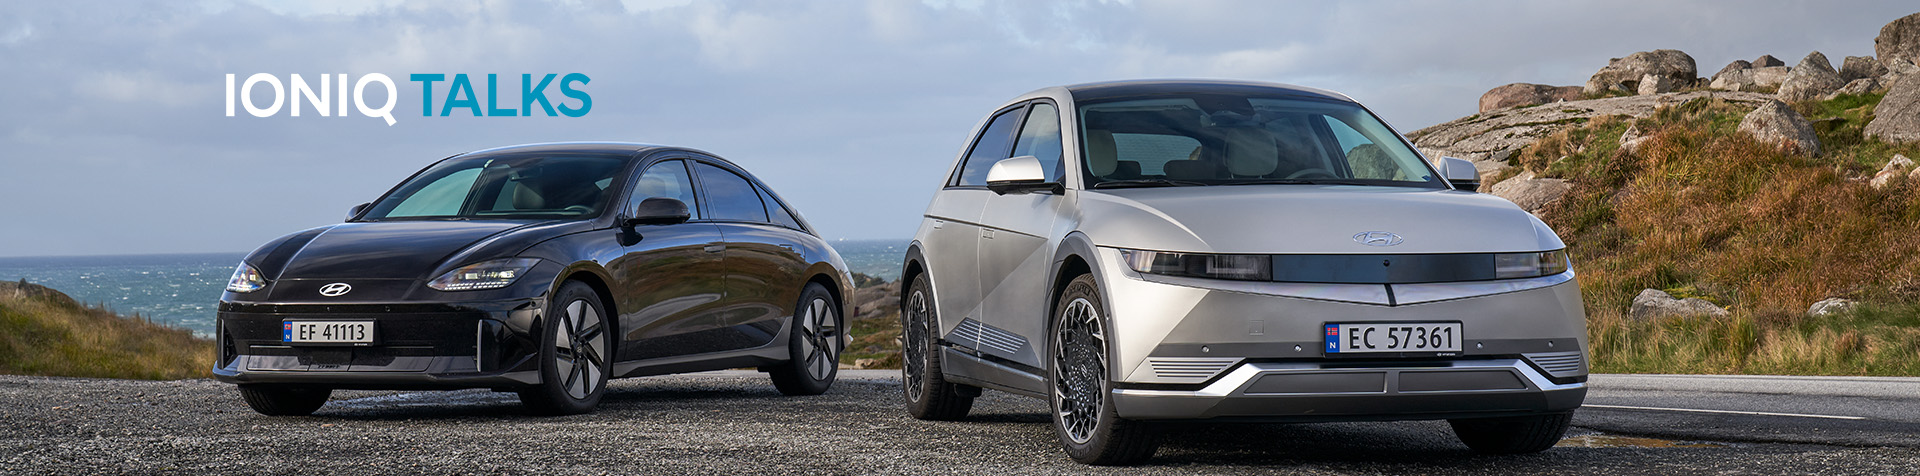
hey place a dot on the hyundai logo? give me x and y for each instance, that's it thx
(1377, 238)
(335, 289)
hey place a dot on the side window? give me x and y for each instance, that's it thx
(777, 212)
(668, 179)
(990, 147)
(730, 196)
(1040, 137)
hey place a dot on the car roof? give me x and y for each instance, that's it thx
(1131, 88)
(601, 147)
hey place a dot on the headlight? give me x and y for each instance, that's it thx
(1528, 265)
(1200, 265)
(246, 279)
(483, 275)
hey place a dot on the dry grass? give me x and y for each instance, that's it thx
(44, 332)
(1702, 210)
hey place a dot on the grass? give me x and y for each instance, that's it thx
(44, 332)
(1704, 211)
(873, 331)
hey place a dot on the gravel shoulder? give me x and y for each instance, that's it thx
(735, 423)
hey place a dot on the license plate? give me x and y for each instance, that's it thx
(1393, 337)
(327, 332)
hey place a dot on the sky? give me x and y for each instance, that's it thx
(114, 136)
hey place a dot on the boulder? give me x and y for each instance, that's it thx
(1856, 67)
(1775, 123)
(1735, 80)
(1810, 80)
(1897, 167)
(1897, 118)
(1771, 76)
(1899, 39)
(1855, 87)
(1914, 176)
(1831, 306)
(1631, 139)
(1625, 73)
(1736, 65)
(1531, 193)
(1767, 61)
(1655, 84)
(1525, 94)
(1654, 304)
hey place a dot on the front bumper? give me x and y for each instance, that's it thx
(1304, 391)
(417, 345)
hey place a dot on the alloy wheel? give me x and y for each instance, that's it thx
(1079, 370)
(914, 350)
(579, 349)
(820, 339)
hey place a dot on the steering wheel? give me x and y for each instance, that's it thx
(578, 209)
(1313, 171)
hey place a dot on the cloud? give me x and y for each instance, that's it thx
(117, 142)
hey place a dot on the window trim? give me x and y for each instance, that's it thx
(694, 209)
(704, 198)
(953, 181)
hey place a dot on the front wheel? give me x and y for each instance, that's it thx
(573, 360)
(1083, 416)
(275, 400)
(1516, 435)
(814, 347)
(929, 395)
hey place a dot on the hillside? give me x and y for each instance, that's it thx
(45, 332)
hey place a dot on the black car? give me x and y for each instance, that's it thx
(542, 269)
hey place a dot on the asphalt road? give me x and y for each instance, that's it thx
(735, 423)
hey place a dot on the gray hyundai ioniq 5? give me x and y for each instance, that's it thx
(1141, 252)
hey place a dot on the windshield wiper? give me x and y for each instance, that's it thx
(1298, 182)
(1148, 183)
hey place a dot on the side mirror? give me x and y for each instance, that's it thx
(1460, 173)
(1018, 174)
(355, 211)
(658, 211)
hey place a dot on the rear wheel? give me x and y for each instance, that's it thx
(276, 400)
(814, 349)
(1083, 415)
(573, 362)
(929, 395)
(1529, 434)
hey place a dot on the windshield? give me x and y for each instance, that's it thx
(527, 186)
(1198, 140)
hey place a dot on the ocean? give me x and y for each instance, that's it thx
(182, 290)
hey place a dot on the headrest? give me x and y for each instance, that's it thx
(1250, 151)
(525, 198)
(1101, 156)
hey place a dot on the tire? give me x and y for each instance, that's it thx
(574, 355)
(929, 395)
(813, 349)
(1517, 435)
(1078, 380)
(274, 400)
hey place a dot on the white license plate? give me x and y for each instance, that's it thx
(327, 332)
(1393, 337)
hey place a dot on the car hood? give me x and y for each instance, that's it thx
(377, 250)
(1309, 219)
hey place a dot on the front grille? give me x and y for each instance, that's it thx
(1189, 369)
(1559, 364)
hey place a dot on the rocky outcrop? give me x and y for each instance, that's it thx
(1488, 139)
(1775, 123)
(1526, 94)
(1655, 84)
(1899, 39)
(1856, 67)
(1625, 74)
(1897, 167)
(1750, 79)
(1736, 65)
(1855, 87)
(1531, 193)
(1897, 118)
(1810, 80)
(1767, 61)
(1831, 306)
(1654, 304)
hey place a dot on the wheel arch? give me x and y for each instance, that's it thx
(594, 277)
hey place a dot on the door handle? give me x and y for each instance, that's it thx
(938, 223)
(716, 247)
(787, 246)
(986, 233)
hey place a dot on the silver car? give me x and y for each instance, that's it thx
(1148, 251)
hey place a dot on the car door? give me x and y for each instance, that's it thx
(764, 267)
(669, 279)
(952, 244)
(1013, 247)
